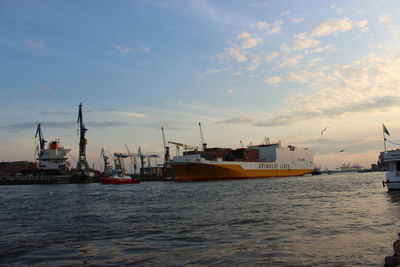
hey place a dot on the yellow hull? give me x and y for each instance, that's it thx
(190, 172)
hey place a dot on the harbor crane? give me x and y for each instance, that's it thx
(119, 162)
(167, 157)
(185, 147)
(107, 167)
(142, 157)
(82, 165)
(42, 142)
(133, 160)
(203, 144)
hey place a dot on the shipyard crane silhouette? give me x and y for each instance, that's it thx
(133, 160)
(82, 165)
(42, 142)
(119, 162)
(107, 167)
(167, 157)
(185, 146)
(203, 144)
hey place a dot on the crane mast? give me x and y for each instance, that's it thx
(203, 144)
(42, 142)
(166, 149)
(133, 160)
(107, 167)
(82, 165)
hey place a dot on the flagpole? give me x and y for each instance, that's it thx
(384, 139)
(384, 131)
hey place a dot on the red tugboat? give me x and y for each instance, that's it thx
(118, 179)
(117, 176)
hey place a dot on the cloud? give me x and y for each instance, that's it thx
(305, 76)
(271, 56)
(108, 124)
(289, 61)
(337, 9)
(131, 114)
(273, 80)
(144, 49)
(254, 63)
(300, 42)
(232, 54)
(237, 120)
(384, 18)
(37, 44)
(46, 88)
(212, 71)
(320, 49)
(56, 113)
(273, 28)
(123, 49)
(32, 126)
(297, 20)
(370, 105)
(336, 26)
(248, 41)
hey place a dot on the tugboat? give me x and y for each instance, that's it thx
(392, 181)
(117, 176)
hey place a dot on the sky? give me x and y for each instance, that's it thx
(247, 70)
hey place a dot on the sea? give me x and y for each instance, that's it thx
(342, 219)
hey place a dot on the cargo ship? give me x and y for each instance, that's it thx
(260, 161)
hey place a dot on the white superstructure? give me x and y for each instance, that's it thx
(392, 181)
(54, 157)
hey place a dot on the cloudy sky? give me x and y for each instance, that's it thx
(245, 69)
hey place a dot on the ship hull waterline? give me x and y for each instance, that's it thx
(110, 180)
(193, 172)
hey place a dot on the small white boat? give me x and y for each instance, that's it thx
(392, 181)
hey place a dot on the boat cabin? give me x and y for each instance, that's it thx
(392, 157)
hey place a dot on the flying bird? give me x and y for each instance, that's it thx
(322, 132)
(341, 150)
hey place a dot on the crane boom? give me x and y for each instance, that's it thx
(186, 147)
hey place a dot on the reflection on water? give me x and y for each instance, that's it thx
(327, 220)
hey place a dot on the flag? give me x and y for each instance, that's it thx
(385, 130)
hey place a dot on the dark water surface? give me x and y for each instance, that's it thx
(327, 220)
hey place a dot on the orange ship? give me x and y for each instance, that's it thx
(262, 161)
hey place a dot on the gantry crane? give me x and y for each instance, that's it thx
(133, 160)
(107, 167)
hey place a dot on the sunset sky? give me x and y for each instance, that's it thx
(246, 70)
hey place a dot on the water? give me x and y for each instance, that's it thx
(327, 220)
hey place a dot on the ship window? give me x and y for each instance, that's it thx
(398, 166)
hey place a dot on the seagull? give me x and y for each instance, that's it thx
(322, 132)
